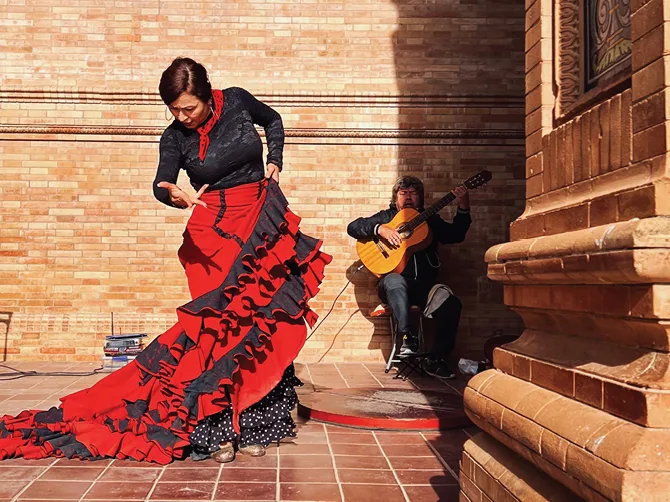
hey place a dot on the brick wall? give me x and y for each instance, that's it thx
(367, 90)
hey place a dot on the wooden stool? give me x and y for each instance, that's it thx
(411, 363)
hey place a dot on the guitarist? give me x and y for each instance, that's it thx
(414, 283)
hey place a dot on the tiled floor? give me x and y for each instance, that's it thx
(324, 463)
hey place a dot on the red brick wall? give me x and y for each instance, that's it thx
(367, 91)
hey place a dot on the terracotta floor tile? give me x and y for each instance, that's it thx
(19, 385)
(372, 493)
(449, 443)
(130, 474)
(304, 449)
(76, 462)
(308, 438)
(183, 491)
(306, 467)
(47, 404)
(256, 475)
(42, 462)
(311, 492)
(246, 491)
(30, 395)
(245, 461)
(124, 491)
(390, 438)
(407, 450)
(415, 463)
(341, 429)
(449, 452)
(433, 477)
(369, 450)
(9, 489)
(363, 382)
(187, 463)
(56, 490)
(348, 438)
(20, 473)
(187, 474)
(135, 465)
(453, 463)
(15, 405)
(472, 431)
(73, 500)
(11, 410)
(306, 461)
(55, 387)
(457, 386)
(71, 474)
(432, 493)
(309, 427)
(307, 475)
(434, 386)
(327, 382)
(367, 476)
(346, 462)
(324, 369)
(455, 437)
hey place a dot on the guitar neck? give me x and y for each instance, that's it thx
(434, 209)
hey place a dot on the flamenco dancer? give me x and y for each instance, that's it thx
(221, 380)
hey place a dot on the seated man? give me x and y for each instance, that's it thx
(414, 283)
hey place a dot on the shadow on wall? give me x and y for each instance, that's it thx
(5, 322)
(465, 58)
(460, 75)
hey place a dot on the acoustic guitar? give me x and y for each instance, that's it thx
(380, 258)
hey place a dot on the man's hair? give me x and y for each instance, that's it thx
(403, 183)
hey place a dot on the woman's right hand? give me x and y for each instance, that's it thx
(180, 198)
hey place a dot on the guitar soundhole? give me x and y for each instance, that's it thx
(404, 233)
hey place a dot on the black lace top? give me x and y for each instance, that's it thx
(235, 153)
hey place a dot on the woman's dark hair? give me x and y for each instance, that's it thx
(184, 75)
(405, 182)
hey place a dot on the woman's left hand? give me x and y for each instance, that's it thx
(272, 172)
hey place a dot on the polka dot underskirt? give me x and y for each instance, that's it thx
(267, 421)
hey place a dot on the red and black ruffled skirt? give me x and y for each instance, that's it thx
(251, 273)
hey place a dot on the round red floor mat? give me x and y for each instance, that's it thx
(380, 408)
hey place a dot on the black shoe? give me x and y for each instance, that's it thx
(438, 369)
(410, 345)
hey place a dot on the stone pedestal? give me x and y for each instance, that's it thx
(582, 399)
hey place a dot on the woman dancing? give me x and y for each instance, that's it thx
(221, 380)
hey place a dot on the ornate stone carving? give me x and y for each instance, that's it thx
(608, 39)
(569, 81)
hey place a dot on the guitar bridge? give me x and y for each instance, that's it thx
(381, 248)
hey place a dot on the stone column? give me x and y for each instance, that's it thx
(579, 406)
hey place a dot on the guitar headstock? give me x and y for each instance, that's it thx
(478, 180)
